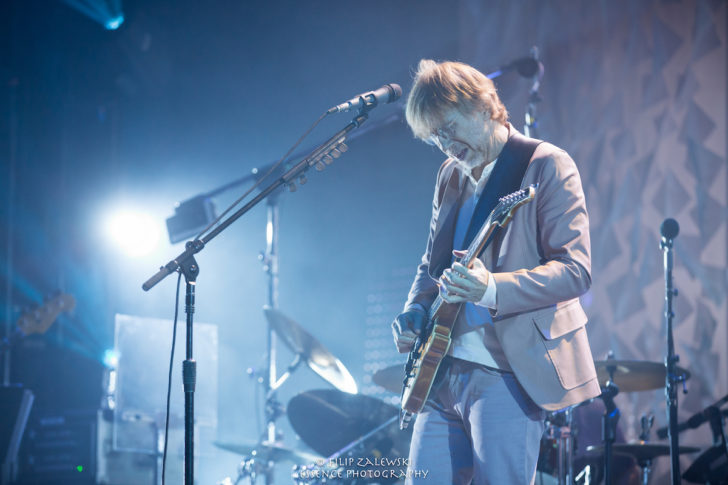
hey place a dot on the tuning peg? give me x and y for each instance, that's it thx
(328, 159)
(335, 153)
(291, 186)
(302, 179)
(342, 147)
(320, 166)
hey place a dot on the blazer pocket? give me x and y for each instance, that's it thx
(555, 322)
(567, 346)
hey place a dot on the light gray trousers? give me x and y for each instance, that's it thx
(478, 426)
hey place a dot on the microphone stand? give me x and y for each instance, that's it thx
(531, 126)
(185, 263)
(671, 377)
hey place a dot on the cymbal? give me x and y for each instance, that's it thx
(269, 452)
(635, 375)
(641, 450)
(302, 343)
(390, 378)
(328, 420)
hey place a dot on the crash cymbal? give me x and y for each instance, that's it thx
(269, 452)
(634, 375)
(390, 378)
(641, 450)
(327, 420)
(302, 343)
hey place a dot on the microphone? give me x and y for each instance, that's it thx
(527, 66)
(669, 229)
(386, 94)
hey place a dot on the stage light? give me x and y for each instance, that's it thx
(111, 358)
(190, 217)
(136, 233)
(114, 23)
(106, 12)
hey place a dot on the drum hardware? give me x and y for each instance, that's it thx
(353, 431)
(643, 452)
(646, 422)
(712, 465)
(260, 458)
(584, 474)
(318, 473)
(610, 418)
(559, 428)
(634, 375)
(390, 378)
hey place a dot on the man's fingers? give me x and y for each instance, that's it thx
(464, 273)
(452, 298)
(456, 283)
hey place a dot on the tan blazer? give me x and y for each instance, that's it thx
(541, 265)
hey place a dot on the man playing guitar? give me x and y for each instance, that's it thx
(518, 344)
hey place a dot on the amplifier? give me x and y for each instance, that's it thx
(59, 449)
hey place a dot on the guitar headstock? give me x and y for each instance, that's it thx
(507, 205)
(39, 320)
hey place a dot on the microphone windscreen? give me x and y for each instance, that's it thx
(396, 92)
(669, 228)
(527, 66)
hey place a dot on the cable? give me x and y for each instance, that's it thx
(169, 380)
(260, 180)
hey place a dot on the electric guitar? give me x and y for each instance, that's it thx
(432, 344)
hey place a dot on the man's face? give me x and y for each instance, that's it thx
(464, 137)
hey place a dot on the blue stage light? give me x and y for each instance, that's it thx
(111, 358)
(114, 23)
(106, 12)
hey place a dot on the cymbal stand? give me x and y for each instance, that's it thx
(561, 431)
(646, 423)
(609, 423)
(273, 408)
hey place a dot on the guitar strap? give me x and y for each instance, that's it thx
(505, 178)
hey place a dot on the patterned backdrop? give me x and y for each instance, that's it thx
(636, 93)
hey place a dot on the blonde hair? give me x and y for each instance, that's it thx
(441, 86)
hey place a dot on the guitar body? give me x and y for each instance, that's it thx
(433, 344)
(426, 358)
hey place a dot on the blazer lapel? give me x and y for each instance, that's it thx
(441, 254)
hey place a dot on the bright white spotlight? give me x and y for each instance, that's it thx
(136, 233)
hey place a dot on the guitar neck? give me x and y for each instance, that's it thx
(481, 241)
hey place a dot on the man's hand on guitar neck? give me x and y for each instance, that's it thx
(406, 327)
(459, 283)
